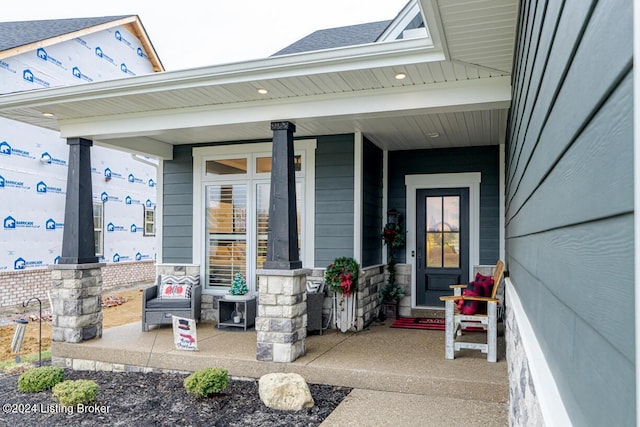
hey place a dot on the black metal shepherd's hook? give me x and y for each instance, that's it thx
(26, 303)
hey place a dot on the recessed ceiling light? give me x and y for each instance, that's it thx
(47, 114)
(262, 91)
(400, 76)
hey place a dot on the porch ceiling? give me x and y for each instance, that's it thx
(341, 90)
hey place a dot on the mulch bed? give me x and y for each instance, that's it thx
(159, 399)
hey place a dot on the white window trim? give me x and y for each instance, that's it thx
(470, 180)
(100, 253)
(145, 209)
(305, 147)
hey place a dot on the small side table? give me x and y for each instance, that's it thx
(227, 307)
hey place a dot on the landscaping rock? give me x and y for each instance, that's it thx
(286, 392)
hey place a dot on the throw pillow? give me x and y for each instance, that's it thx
(176, 287)
(485, 283)
(469, 307)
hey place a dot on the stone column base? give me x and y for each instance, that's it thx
(281, 324)
(76, 302)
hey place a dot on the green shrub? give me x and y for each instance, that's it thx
(207, 381)
(72, 393)
(40, 379)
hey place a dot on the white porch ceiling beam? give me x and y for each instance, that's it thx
(441, 97)
(139, 145)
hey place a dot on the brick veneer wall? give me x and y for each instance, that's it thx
(18, 286)
(128, 273)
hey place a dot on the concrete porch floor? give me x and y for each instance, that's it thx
(400, 376)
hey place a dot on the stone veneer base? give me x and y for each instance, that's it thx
(76, 298)
(281, 324)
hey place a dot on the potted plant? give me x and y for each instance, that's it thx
(341, 277)
(238, 290)
(390, 294)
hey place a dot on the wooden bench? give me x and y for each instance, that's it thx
(455, 321)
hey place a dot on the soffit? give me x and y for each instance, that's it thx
(157, 110)
(480, 32)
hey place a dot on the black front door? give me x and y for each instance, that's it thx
(442, 243)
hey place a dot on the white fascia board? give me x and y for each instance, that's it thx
(401, 21)
(440, 97)
(433, 21)
(392, 53)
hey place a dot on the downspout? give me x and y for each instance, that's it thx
(158, 219)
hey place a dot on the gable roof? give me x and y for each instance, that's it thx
(351, 35)
(23, 36)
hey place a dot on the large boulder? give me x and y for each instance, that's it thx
(286, 392)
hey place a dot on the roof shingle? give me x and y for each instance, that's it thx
(351, 35)
(20, 33)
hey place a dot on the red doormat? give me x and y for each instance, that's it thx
(432, 323)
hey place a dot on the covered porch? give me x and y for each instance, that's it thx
(405, 369)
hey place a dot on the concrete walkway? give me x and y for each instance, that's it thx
(399, 376)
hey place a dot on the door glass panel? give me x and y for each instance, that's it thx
(443, 232)
(226, 232)
(434, 250)
(451, 243)
(451, 229)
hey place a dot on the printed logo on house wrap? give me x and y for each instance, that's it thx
(140, 256)
(43, 188)
(11, 223)
(27, 75)
(5, 183)
(149, 203)
(108, 173)
(117, 257)
(7, 150)
(111, 227)
(152, 183)
(104, 197)
(5, 66)
(46, 158)
(136, 228)
(51, 224)
(130, 201)
(82, 42)
(42, 54)
(132, 179)
(22, 264)
(126, 70)
(100, 53)
(118, 35)
(141, 53)
(78, 74)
